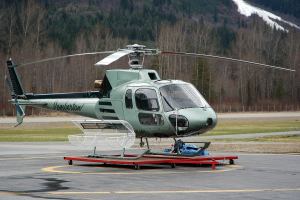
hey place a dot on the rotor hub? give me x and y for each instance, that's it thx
(137, 56)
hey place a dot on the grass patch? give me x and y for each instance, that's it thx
(37, 135)
(245, 126)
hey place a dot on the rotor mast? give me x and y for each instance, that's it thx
(137, 56)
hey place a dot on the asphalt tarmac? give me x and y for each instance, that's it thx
(38, 171)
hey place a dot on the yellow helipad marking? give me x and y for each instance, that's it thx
(60, 169)
(177, 191)
(10, 193)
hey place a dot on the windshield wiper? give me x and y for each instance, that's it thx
(167, 101)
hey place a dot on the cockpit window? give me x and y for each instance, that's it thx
(128, 99)
(180, 96)
(146, 99)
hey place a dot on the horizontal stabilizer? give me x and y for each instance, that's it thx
(27, 103)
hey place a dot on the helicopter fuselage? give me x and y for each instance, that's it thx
(154, 107)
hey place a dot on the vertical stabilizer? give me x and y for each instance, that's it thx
(14, 78)
(16, 90)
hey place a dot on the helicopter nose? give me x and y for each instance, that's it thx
(202, 118)
(194, 120)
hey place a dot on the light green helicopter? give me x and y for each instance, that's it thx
(153, 107)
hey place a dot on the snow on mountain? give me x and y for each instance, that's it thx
(271, 19)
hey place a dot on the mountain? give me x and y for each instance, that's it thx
(288, 7)
(36, 29)
(270, 18)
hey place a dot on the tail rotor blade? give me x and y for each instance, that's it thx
(225, 58)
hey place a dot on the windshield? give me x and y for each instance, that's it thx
(180, 96)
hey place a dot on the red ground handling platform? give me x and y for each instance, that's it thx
(148, 159)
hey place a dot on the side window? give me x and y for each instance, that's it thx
(128, 99)
(151, 119)
(146, 99)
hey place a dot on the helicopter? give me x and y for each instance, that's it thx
(152, 106)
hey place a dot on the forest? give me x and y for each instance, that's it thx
(36, 29)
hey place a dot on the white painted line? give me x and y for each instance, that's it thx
(178, 191)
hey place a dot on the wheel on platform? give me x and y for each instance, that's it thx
(136, 167)
(231, 162)
(142, 143)
(70, 162)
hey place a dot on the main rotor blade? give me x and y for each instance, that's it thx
(66, 56)
(113, 57)
(225, 58)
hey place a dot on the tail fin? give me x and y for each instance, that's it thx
(14, 78)
(16, 90)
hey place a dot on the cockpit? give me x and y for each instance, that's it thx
(176, 103)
